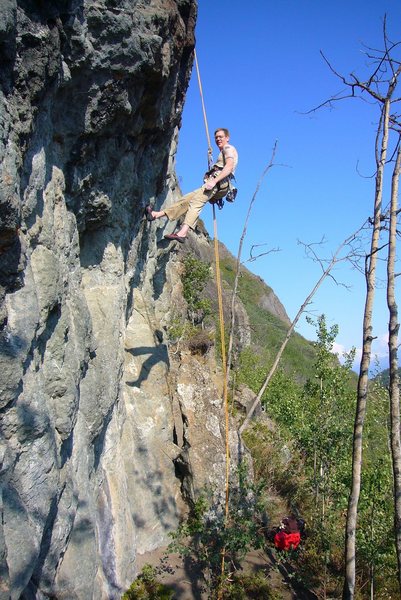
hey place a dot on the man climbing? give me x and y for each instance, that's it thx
(216, 186)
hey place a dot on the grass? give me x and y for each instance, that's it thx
(268, 331)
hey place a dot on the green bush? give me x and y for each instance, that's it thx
(146, 587)
(180, 330)
(248, 586)
(207, 531)
(196, 275)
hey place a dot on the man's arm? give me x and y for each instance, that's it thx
(227, 169)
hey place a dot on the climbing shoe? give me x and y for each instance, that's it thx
(174, 236)
(148, 213)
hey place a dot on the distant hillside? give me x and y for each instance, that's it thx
(268, 320)
(384, 377)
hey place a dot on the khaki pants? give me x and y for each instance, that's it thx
(192, 204)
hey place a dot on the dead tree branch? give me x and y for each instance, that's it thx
(326, 271)
(238, 266)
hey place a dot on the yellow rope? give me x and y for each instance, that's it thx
(221, 319)
(224, 365)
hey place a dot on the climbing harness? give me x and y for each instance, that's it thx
(221, 319)
(224, 185)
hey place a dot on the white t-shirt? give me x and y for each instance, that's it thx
(229, 152)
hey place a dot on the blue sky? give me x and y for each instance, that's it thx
(261, 71)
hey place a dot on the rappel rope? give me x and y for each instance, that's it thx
(223, 360)
(221, 319)
(209, 146)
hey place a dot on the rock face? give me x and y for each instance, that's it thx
(104, 432)
(90, 105)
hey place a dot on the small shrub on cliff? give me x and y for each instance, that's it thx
(200, 343)
(196, 275)
(146, 587)
(179, 331)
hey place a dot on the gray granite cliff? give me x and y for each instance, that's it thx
(90, 105)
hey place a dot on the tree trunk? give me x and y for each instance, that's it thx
(394, 390)
(362, 391)
(372, 582)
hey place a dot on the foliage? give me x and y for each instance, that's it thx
(375, 539)
(325, 436)
(194, 278)
(191, 333)
(283, 400)
(207, 531)
(179, 330)
(146, 587)
(383, 378)
(251, 371)
(246, 586)
(323, 429)
(313, 430)
(278, 463)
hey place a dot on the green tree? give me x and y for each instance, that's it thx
(325, 432)
(375, 539)
(319, 418)
(315, 423)
(207, 531)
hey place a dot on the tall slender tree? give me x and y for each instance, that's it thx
(394, 389)
(380, 87)
(372, 87)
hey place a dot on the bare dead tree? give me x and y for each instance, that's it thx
(252, 258)
(336, 258)
(394, 389)
(372, 87)
(238, 265)
(378, 88)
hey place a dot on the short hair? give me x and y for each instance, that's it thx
(226, 132)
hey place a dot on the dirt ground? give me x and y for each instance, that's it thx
(187, 583)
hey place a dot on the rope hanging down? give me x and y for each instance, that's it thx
(221, 315)
(224, 364)
(209, 147)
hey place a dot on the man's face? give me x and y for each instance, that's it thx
(221, 139)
